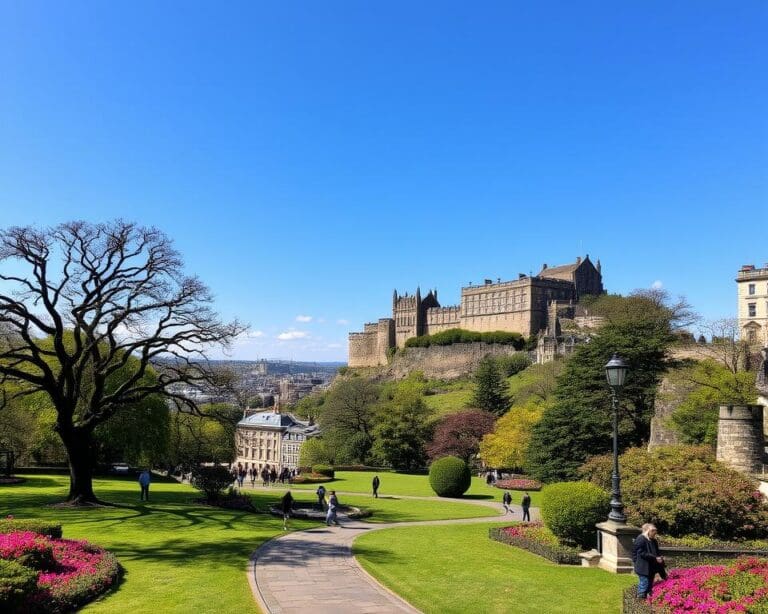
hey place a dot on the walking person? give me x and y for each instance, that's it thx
(286, 505)
(241, 476)
(375, 485)
(647, 559)
(252, 475)
(506, 501)
(333, 505)
(526, 503)
(144, 481)
(265, 476)
(321, 496)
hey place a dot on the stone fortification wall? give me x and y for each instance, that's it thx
(363, 349)
(740, 441)
(443, 361)
(443, 318)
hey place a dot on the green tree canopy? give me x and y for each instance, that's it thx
(491, 391)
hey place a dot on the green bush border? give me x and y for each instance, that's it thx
(460, 335)
(562, 555)
(41, 527)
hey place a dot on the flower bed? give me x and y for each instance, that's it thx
(310, 478)
(536, 538)
(69, 573)
(518, 484)
(720, 589)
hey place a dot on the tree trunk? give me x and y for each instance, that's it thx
(78, 445)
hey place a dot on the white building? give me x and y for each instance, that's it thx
(752, 285)
(271, 438)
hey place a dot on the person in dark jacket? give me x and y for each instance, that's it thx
(506, 501)
(375, 485)
(286, 505)
(526, 503)
(647, 559)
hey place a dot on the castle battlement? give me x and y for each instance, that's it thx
(521, 305)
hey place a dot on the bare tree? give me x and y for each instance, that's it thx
(726, 346)
(87, 309)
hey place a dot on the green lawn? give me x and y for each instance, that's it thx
(180, 556)
(407, 484)
(458, 569)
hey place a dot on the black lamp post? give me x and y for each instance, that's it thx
(616, 372)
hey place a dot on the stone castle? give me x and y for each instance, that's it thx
(529, 305)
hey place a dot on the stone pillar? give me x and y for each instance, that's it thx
(616, 546)
(740, 440)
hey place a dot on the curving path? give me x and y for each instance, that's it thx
(314, 570)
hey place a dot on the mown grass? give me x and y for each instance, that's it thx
(456, 568)
(180, 556)
(408, 484)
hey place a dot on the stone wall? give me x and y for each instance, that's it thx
(363, 349)
(443, 361)
(740, 442)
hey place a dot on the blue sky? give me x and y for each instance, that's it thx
(309, 157)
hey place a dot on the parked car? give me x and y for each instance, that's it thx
(120, 468)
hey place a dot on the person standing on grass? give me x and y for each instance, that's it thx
(333, 505)
(526, 503)
(144, 481)
(506, 501)
(321, 496)
(647, 559)
(252, 476)
(287, 506)
(375, 485)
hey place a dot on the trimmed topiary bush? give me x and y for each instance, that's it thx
(571, 509)
(211, 480)
(325, 470)
(17, 583)
(41, 527)
(449, 477)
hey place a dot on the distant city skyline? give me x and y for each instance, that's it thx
(308, 159)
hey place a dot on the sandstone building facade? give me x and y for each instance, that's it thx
(271, 438)
(528, 305)
(752, 290)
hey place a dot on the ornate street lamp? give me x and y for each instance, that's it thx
(616, 372)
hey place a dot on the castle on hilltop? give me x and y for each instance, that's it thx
(529, 305)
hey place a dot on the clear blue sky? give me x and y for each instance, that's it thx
(309, 157)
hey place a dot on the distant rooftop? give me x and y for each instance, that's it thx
(272, 419)
(750, 271)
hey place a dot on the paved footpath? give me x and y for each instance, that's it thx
(314, 570)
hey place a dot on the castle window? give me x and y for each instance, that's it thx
(751, 289)
(751, 309)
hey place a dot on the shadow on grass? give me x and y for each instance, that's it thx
(479, 497)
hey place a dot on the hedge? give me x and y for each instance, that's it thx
(562, 555)
(459, 335)
(16, 584)
(571, 509)
(211, 480)
(325, 470)
(42, 527)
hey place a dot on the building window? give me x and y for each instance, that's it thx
(751, 289)
(751, 309)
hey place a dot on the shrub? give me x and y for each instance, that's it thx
(739, 587)
(16, 584)
(30, 549)
(513, 364)
(536, 538)
(684, 490)
(41, 527)
(325, 470)
(459, 335)
(211, 480)
(571, 510)
(449, 477)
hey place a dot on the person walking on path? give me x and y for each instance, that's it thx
(321, 496)
(287, 506)
(526, 503)
(647, 559)
(333, 505)
(506, 501)
(375, 485)
(144, 481)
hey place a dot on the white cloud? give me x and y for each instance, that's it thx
(304, 318)
(657, 285)
(342, 321)
(333, 345)
(292, 334)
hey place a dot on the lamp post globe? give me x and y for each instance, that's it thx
(616, 372)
